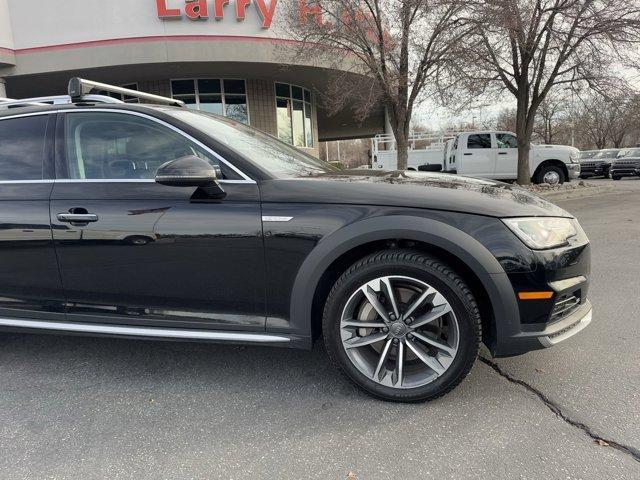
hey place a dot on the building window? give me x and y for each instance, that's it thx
(293, 106)
(223, 97)
(119, 96)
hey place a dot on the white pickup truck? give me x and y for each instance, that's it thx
(493, 154)
(488, 154)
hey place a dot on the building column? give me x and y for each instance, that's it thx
(3, 88)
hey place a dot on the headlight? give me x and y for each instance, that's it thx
(541, 233)
(575, 157)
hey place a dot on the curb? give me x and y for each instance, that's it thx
(575, 193)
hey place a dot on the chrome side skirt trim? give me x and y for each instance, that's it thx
(148, 332)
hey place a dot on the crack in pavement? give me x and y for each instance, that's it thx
(555, 408)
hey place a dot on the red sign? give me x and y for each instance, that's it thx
(205, 9)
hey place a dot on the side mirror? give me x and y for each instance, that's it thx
(190, 171)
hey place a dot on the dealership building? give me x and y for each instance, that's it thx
(231, 57)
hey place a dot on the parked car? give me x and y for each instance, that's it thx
(599, 164)
(252, 241)
(490, 154)
(587, 154)
(627, 165)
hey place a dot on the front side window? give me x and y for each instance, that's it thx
(226, 97)
(22, 147)
(294, 115)
(482, 140)
(122, 146)
(506, 140)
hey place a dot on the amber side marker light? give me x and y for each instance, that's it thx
(535, 295)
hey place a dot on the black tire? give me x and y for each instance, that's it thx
(137, 240)
(429, 270)
(615, 177)
(548, 169)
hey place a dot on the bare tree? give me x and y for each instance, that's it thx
(528, 47)
(551, 121)
(506, 120)
(397, 47)
(604, 120)
(622, 116)
(592, 121)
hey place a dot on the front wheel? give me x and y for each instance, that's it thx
(615, 177)
(402, 326)
(551, 175)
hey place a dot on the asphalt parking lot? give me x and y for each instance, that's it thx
(84, 408)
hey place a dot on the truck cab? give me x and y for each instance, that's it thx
(494, 154)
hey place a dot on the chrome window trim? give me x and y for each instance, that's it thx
(23, 182)
(32, 114)
(247, 179)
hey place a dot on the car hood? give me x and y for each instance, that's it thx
(566, 148)
(597, 160)
(435, 191)
(625, 160)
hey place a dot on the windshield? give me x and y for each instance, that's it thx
(634, 152)
(588, 154)
(267, 152)
(607, 154)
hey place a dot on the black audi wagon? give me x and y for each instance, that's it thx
(155, 221)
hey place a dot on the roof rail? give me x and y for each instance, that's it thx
(53, 100)
(79, 88)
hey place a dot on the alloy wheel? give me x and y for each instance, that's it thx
(399, 331)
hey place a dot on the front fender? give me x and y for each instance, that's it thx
(458, 243)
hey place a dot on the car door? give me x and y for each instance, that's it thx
(478, 156)
(507, 155)
(140, 253)
(30, 286)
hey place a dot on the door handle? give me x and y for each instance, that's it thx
(468, 154)
(502, 153)
(77, 217)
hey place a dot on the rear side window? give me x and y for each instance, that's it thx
(482, 140)
(22, 144)
(118, 146)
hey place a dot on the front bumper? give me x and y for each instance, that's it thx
(555, 323)
(559, 331)
(543, 323)
(597, 170)
(625, 171)
(574, 170)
